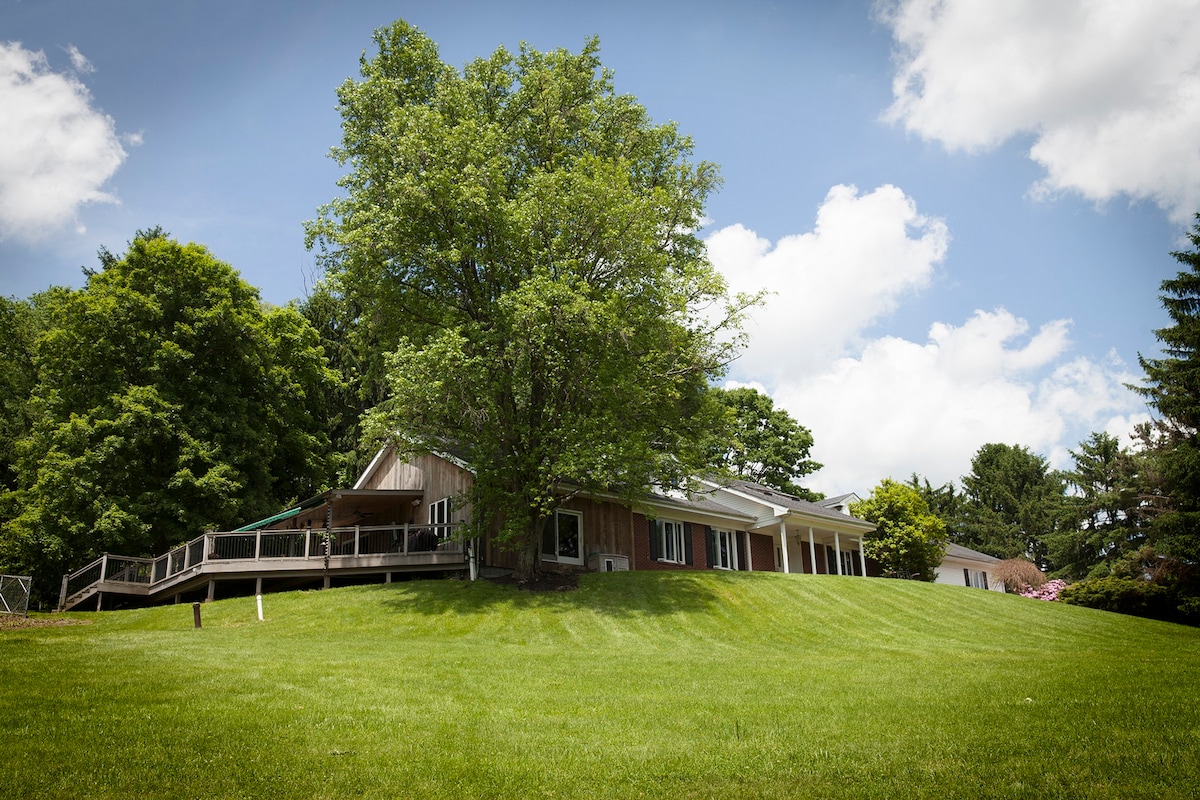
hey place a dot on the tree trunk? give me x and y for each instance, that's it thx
(529, 556)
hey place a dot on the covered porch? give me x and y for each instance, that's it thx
(805, 547)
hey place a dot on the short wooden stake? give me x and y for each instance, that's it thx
(196, 614)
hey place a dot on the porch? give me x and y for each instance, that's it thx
(261, 555)
(812, 550)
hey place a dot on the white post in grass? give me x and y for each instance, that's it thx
(259, 599)
(784, 550)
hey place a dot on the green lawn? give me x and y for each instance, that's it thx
(672, 685)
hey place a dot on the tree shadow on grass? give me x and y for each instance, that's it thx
(614, 594)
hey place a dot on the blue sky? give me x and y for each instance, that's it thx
(963, 209)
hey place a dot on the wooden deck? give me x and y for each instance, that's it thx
(279, 557)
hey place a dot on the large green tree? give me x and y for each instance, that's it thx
(168, 400)
(523, 239)
(1172, 388)
(765, 445)
(1012, 502)
(909, 540)
(1106, 505)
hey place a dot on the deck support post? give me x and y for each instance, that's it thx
(62, 596)
(99, 600)
(212, 591)
(783, 539)
(258, 586)
(325, 583)
(388, 578)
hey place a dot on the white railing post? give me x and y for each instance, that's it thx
(406, 538)
(103, 567)
(356, 540)
(307, 541)
(257, 545)
(207, 547)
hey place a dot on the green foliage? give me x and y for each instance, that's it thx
(909, 541)
(1134, 596)
(1173, 389)
(1012, 503)
(764, 444)
(1106, 505)
(168, 400)
(521, 239)
(18, 331)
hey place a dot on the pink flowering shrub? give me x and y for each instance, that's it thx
(1047, 591)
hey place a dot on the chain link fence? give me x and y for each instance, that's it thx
(14, 594)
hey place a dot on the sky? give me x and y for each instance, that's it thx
(962, 209)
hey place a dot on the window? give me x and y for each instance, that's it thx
(562, 537)
(439, 512)
(725, 554)
(975, 578)
(672, 546)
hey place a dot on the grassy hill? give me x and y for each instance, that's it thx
(678, 685)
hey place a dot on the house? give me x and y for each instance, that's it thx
(962, 566)
(400, 517)
(735, 526)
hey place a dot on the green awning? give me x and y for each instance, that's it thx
(291, 512)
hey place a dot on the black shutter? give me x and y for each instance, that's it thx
(984, 574)
(655, 538)
(743, 564)
(687, 543)
(549, 543)
(967, 576)
(710, 546)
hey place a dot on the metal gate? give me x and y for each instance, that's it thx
(14, 594)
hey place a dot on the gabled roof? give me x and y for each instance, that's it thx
(789, 502)
(967, 554)
(837, 500)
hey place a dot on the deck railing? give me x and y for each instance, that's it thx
(308, 545)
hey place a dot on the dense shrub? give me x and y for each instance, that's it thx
(1134, 596)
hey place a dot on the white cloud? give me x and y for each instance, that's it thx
(864, 254)
(56, 150)
(889, 406)
(1109, 89)
(901, 407)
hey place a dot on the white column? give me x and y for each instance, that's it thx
(837, 551)
(812, 551)
(862, 559)
(783, 539)
(749, 555)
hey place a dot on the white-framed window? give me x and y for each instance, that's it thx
(562, 537)
(671, 544)
(439, 512)
(725, 550)
(975, 578)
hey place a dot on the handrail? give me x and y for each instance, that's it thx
(307, 545)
